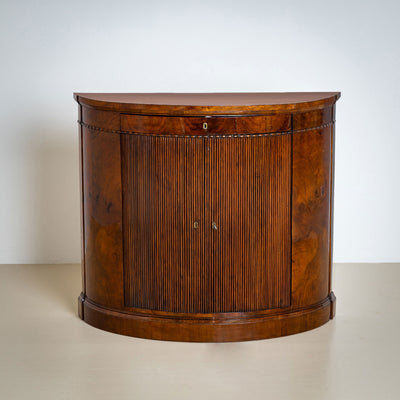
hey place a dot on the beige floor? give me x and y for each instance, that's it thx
(46, 352)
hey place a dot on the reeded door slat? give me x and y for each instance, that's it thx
(163, 198)
(249, 193)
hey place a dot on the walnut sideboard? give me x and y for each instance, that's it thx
(207, 217)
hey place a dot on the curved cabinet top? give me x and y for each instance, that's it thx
(207, 104)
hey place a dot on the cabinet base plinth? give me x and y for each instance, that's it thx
(208, 327)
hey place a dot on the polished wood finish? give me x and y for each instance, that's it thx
(193, 126)
(248, 191)
(206, 103)
(102, 217)
(311, 215)
(207, 217)
(163, 182)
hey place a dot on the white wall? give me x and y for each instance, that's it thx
(51, 48)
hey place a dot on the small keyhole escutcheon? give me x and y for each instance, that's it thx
(214, 226)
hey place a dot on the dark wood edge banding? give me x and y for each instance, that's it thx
(122, 172)
(96, 128)
(234, 135)
(82, 202)
(331, 200)
(291, 215)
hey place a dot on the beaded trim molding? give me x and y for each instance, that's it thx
(233, 135)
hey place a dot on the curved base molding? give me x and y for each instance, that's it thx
(208, 327)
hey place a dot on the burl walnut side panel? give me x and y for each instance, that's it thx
(102, 210)
(311, 197)
(207, 217)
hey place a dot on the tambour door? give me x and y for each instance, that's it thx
(207, 223)
(249, 192)
(163, 218)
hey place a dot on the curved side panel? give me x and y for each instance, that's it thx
(101, 119)
(102, 205)
(312, 119)
(311, 202)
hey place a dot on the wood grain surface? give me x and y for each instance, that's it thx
(207, 217)
(207, 103)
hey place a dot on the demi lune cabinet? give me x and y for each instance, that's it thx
(207, 217)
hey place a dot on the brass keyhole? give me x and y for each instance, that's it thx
(205, 126)
(195, 224)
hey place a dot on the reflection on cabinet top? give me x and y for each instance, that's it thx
(207, 104)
